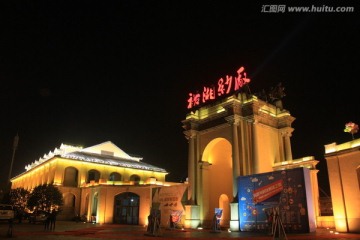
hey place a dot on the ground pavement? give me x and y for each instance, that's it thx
(88, 231)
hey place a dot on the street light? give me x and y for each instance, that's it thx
(15, 145)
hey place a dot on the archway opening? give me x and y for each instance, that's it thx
(126, 209)
(216, 179)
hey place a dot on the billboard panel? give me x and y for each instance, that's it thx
(170, 200)
(284, 191)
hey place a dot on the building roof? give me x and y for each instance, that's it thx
(113, 161)
(106, 153)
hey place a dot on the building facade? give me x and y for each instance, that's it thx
(238, 136)
(101, 182)
(343, 164)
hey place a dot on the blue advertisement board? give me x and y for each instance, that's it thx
(281, 193)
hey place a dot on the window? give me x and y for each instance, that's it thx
(93, 175)
(114, 176)
(71, 177)
(107, 153)
(135, 178)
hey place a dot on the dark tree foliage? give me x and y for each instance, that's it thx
(19, 198)
(45, 197)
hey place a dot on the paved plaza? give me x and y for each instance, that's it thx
(89, 231)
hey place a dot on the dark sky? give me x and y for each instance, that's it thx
(86, 72)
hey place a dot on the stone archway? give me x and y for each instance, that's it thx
(216, 178)
(255, 134)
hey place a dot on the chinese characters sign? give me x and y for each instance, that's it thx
(267, 191)
(224, 86)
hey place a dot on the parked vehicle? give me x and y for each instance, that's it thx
(7, 212)
(38, 216)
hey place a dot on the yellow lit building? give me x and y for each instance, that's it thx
(343, 164)
(101, 182)
(240, 135)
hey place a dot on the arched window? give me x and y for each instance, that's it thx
(135, 178)
(114, 176)
(93, 175)
(70, 177)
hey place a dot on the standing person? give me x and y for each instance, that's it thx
(47, 222)
(20, 215)
(150, 224)
(172, 225)
(215, 224)
(52, 218)
(270, 219)
(10, 229)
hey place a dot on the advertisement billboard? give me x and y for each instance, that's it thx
(282, 192)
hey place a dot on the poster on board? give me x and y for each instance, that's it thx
(170, 200)
(286, 190)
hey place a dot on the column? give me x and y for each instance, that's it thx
(245, 148)
(191, 136)
(192, 211)
(234, 121)
(286, 133)
(234, 206)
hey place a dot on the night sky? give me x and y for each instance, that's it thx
(86, 72)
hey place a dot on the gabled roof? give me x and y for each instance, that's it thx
(104, 153)
(109, 160)
(109, 148)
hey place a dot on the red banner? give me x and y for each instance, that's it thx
(267, 191)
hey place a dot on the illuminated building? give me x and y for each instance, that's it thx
(233, 133)
(237, 135)
(101, 182)
(343, 164)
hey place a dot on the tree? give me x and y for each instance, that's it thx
(45, 197)
(352, 128)
(19, 198)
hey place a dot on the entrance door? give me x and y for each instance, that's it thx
(126, 209)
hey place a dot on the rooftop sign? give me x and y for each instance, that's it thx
(225, 86)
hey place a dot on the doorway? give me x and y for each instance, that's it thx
(126, 209)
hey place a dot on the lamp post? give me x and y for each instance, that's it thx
(15, 145)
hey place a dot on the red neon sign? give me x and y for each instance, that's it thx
(224, 87)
